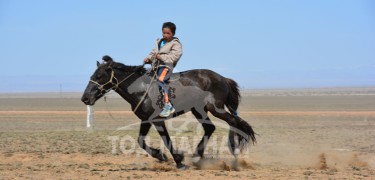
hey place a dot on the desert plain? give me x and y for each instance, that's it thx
(326, 133)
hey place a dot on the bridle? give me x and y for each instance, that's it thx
(115, 85)
(103, 91)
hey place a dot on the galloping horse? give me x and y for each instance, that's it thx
(199, 91)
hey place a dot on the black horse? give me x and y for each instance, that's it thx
(198, 91)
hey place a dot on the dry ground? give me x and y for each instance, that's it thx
(301, 135)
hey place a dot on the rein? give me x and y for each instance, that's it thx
(152, 80)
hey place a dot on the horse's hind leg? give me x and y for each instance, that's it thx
(162, 130)
(156, 153)
(221, 113)
(208, 127)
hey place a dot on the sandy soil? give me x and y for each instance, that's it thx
(86, 166)
(338, 143)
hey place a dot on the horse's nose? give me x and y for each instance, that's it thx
(85, 99)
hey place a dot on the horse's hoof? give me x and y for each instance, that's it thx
(182, 167)
(235, 165)
(179, 157)
(195, 159)
(162, 157)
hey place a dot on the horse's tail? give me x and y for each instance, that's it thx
(234, 96)
(243, 130)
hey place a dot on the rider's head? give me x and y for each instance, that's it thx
(169, 30)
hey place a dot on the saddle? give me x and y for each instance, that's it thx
(171, 96)
(152, 74)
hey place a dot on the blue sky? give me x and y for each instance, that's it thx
(260, 44)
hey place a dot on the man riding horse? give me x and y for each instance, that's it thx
(168, 51)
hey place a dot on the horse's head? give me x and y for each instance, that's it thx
(101, 82)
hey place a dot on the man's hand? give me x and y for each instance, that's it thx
(157, 56)
(147, 61)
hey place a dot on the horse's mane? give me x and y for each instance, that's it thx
(140, 69)
(116, 65)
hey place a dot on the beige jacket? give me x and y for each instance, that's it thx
(170, 53)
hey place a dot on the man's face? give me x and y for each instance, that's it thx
(167, 34)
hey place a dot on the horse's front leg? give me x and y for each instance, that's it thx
(156, 153)
(162, 130)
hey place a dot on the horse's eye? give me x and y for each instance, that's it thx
(98, 76)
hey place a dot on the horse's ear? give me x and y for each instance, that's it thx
(97, 63)
(107, 59)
